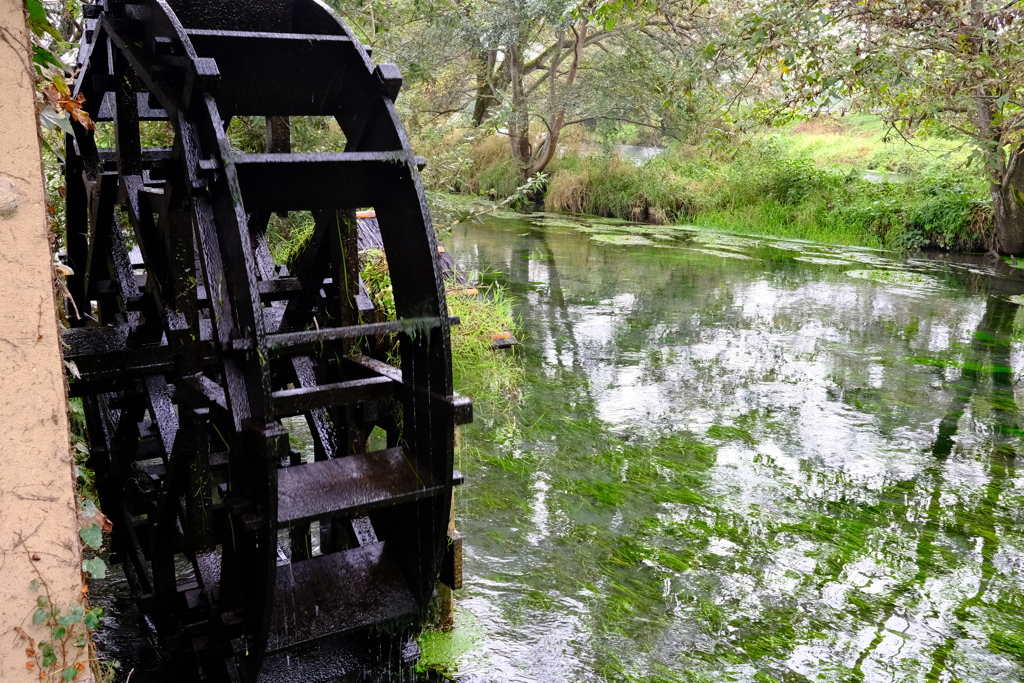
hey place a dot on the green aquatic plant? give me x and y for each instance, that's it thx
(622, 240)
(731, 531)
(724, 433)
(601, 492)
(896, 277)
(441, 650)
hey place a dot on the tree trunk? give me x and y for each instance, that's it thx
(519, 120)
(547, 152)
(1006, 173)
(486, 95)
(1008, 206)
(1008, 178)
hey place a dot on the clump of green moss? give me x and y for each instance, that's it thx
(441, 650)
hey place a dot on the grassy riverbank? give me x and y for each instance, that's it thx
(837, 180)
(488, 376)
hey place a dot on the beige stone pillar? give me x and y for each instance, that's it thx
(38, 516)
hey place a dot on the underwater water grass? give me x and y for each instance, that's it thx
(633, 563)
(752, 555)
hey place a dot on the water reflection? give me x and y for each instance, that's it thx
(745, 460)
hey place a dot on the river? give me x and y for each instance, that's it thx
(736, 459)
(743, 460)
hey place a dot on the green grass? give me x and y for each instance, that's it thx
(492, 378)
(765, 189)
(864, 142)
(479, 371)
(377, 279)
(287, 235)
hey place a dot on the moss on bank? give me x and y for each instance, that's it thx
(441, 650)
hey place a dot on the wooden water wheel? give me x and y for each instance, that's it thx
(193, 344)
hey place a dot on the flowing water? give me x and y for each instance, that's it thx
(742, 460)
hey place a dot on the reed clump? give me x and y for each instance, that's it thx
(609, 186)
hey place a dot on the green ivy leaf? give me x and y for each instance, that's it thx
(36, 12)
(92, 618)
(51, 120)
(49, 656)
(39, 616)
(58, 632)
(96, 568)
(37, 19)
(34, 584)
(69, 674)
(92, 536)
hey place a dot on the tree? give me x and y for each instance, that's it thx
(945, 66)
(513, 64)
(560, 65)
(665, 71)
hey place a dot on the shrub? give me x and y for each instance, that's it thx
(500, 179)
(570, 192)
(495, 172)
(951, 214)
